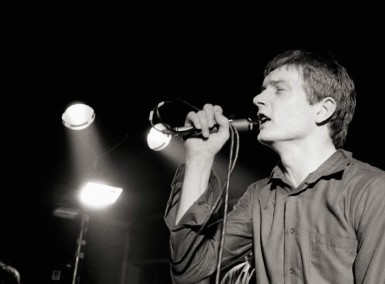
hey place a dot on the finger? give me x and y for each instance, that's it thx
(204, 123)
(221, 120)
(218, 108)
(209, 110)
(192, 119)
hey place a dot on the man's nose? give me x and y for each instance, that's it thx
(259, 99)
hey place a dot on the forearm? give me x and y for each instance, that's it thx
(195, 183)
(200, 153)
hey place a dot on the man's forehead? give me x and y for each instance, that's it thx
(283, 74)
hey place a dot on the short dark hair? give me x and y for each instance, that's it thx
(8, 274)
(323, 77)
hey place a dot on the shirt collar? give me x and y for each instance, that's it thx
(335, 163)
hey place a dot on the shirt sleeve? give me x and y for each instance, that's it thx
(370, 226)
(194, 241)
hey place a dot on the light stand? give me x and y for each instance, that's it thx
(92, 195)
(79, 253)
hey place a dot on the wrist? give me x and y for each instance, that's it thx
(199, 161)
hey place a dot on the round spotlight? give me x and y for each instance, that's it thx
(78, 116)
(156, 139)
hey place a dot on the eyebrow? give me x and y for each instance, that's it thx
(275, 83)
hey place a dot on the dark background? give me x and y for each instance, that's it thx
(123, 58)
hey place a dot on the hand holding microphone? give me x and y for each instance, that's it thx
(205, 133)
(194, 127)
(205, 122)
(240, 124)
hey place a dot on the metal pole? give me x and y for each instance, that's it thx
(80, 241)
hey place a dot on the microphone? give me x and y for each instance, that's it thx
(240, 124)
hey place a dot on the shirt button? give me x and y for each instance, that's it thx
(292, 230)
(291, 271)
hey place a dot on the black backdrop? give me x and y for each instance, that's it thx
(123, 57)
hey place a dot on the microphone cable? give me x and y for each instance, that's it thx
(234, 149)
(175, 131)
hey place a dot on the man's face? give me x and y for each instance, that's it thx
(285, 114)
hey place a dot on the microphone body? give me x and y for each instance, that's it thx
(240, 124)
(244, 124)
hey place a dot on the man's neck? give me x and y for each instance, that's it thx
(299, 161)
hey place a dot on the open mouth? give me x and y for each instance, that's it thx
(262, 118)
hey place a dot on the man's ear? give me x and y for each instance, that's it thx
(325, 110)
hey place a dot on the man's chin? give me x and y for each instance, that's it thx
(264, 141)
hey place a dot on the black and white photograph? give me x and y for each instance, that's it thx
(162, 142)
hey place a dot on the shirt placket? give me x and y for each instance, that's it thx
(293, 268)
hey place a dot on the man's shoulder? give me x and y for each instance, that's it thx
(365, 177)
(362, 168)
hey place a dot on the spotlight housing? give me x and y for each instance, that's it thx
(78, 116)
(156, 139)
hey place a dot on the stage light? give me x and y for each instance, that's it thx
(99, 195)
(156, 139)
(78, 116)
